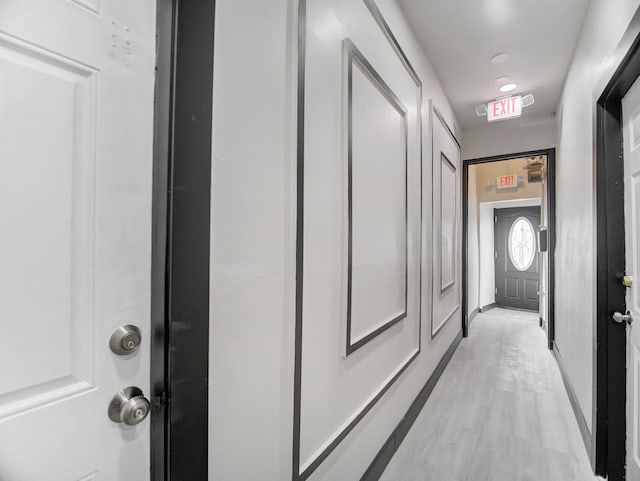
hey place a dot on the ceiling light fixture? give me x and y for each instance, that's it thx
(528, 100)
(501, 80)
(508, 87)
(499, 58)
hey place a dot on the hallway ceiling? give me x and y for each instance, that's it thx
(461, 36)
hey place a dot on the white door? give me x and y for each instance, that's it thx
(631, 126)
(76, 122)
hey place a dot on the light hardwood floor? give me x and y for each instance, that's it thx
(498, 413)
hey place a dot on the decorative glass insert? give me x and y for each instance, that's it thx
(522, 244)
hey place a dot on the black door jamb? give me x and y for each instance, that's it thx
(551, 196)
(610, 350)
(181, 240)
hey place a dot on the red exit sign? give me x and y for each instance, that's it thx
(503, 109)
(506, 181)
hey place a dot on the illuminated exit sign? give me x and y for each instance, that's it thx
(506, 181)
(503, 109)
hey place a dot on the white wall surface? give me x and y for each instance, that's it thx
(473, 245)
(253, 250)
(509, 137)
(597, 55)
(487, 277)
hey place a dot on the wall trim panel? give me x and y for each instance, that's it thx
(299, 474)
(443, 290)
(444, 161)
(354, 56)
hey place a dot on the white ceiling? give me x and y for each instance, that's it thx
(461, 36)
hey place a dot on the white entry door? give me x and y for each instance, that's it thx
(76, 124)
(631, 126)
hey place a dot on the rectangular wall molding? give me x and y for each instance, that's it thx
(308, 454)
(359, 299)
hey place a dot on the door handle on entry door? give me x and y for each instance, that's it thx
(129, 406)
(622, 318)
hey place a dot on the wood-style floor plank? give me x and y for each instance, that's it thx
(498, 413)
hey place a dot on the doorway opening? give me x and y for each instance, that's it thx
(508, 235)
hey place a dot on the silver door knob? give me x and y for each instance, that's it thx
(125, 340)
(129, 406)
(622, 318)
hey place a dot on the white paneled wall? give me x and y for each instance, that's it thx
(253, 249)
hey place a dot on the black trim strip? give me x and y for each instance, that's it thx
(343, 434)
(355, 56)
(380, 462)
(488, 307)
(446, 125)
(453, 168)
(575, 405)
(384, 26)
(297, 376)
(181, 239)
(163, 128)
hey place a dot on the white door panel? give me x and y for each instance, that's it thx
(631, 126)
(76, 118)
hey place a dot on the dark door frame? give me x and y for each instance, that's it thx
(551, 196)
(181, 240)
(610, 347)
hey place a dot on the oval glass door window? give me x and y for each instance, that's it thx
(522, 244)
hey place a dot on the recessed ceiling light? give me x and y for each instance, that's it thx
(508, 87)
(500, 58)
(501, 80)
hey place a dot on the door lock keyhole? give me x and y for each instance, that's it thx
(125, 340)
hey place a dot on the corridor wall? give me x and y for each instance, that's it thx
(596, 57)
(518, 135)
(253, 364)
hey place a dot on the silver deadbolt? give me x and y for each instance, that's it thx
(129, 406)
(125, 340)
(622, 318)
